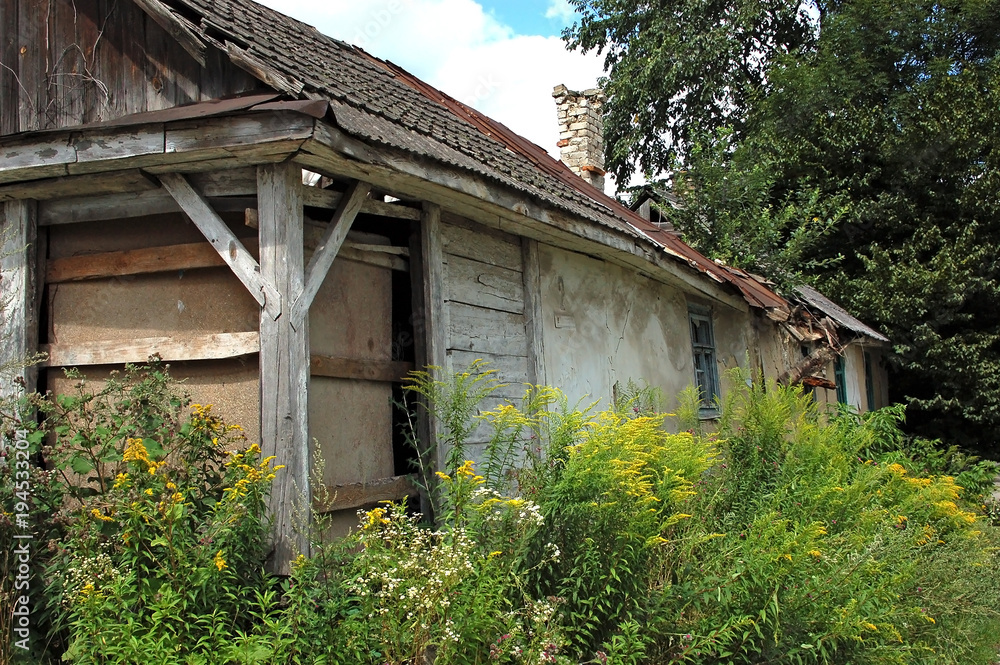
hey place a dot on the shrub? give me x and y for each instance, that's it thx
(162, 552)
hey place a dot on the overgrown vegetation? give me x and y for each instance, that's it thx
(848, 143)
(786, 536)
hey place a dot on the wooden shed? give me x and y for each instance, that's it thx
(294, 224)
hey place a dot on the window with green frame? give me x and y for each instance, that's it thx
(840, 378)
(706, 374)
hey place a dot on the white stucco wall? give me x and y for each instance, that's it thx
(604, 324)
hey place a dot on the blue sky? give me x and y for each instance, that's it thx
(528, 17)
(502, 57)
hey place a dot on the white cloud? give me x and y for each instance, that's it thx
(562, 10)
(465, 51)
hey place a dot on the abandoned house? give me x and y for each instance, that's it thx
(294, 225)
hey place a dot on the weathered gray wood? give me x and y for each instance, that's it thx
(263, 71)
(475, 241)
(225, 242)
(484, 285)
(166, 20)
(118, 143)
(327, 198)
(173, 348)
(534, 316)
(486, 331)
(284, 359)
(435, 315)
(18, 294)
(126, 206)
(82, 186)
(326, 250)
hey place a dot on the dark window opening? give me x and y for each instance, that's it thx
(705, 370)
(840, 378)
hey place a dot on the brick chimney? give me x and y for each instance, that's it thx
(581, 132)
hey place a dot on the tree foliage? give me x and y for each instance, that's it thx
(861, 147)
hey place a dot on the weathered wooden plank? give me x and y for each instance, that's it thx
(19, 294)
(136, 262)
(80, 186)
(327, 248)
(118, 143)
(9, 91)
(389, 371)
(174, 348)
(225, 242)
(357, 495)
(486, 331)
(43, 151)
(125, 206)
(509, 369)
(175, 28)
(284, 358)
(263, 71)
(485, 285)
(326, 198)
(534, 315)
(223, 132)
(481, 244)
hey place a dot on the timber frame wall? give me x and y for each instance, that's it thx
(252, 162)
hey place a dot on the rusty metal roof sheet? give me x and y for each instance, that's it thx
(816, 300)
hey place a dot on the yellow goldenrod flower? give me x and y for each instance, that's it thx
(120, 480)
(815, 553)
(219, 562)
(101, 516)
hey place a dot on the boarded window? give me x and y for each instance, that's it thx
(703, 344)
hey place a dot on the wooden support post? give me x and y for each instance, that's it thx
(18, 295)
(284, 359)
(435, 312)
(326, 251)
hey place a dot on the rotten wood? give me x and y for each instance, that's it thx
(358, 495)
(807, 366)
(435, 314)
(386, 371)
(284, 359)
(327, 248)
(173, 348)
(263, 71)
(225, 242)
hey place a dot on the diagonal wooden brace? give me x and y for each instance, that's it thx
(329, 245)
(225, 242)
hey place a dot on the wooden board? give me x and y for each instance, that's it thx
(357, 495)
(483, 330)
(474, 241)
(19, 292)
(484, 285)
(175, 347)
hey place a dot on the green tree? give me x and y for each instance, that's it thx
(876, 122)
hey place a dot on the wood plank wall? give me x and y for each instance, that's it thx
(485, 307)
(69, 62)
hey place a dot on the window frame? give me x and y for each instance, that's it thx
(840, 378)
(704, 356)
